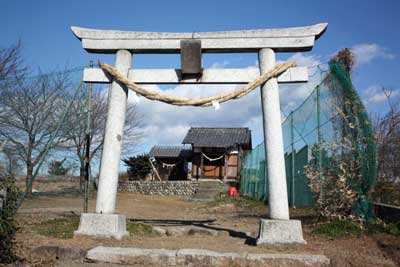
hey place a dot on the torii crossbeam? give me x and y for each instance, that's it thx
(278, 228)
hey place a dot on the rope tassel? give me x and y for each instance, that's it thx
(198, 102)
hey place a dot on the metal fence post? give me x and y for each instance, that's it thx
(293, 158)
(319, 142)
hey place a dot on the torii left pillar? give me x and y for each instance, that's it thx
(104, 222)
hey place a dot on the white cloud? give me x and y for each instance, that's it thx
(305, 60)
(374, 95)
(365, 53)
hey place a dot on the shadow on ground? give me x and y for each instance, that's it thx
(206, 224)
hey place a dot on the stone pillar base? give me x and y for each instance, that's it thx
(102, 225)
(280, 231)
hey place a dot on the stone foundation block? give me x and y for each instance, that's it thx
(102, 225)
(280, 231)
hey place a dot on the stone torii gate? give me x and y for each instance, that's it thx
(278, 228)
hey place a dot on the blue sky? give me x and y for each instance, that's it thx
(369, 27)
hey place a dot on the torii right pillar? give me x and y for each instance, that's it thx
(278, 228)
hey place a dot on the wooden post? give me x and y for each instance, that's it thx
(185, 168)
(226, 165)
(239, 162)
(155, 170)
(201, 163)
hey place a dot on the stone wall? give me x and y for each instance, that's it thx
(164, 188)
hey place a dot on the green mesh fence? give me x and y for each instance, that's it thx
(332, 114)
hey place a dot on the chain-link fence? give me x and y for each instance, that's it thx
(330, 124)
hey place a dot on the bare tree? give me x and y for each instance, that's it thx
(30, 110)
(77, 124)
(387, 132)
(11, 64)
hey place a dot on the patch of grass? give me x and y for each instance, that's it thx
(239, 201)
(140, 229)
(62, 228)
(338, 228)
(379, 226)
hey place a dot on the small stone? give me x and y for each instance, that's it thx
(177, 231)
(159, 230)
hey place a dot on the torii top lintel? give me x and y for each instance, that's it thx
(281, 40)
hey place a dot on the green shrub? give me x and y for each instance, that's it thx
(138, 167)
(7, 220)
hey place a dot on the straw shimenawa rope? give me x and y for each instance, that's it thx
(199, 102)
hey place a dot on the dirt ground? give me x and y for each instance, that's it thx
(237, 228)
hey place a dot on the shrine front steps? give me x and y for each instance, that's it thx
(208, 190)
(199, 257)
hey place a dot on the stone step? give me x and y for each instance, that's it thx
(208, 190)
(200, 257)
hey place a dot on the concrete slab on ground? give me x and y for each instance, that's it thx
(199, 257)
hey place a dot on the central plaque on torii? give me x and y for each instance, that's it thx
(278, 228)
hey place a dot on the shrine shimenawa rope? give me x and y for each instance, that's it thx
(213, 159)
(199, 102)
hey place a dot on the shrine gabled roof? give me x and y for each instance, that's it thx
(218, 137)
(170, 151)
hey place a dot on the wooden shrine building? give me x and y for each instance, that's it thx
(217, 153)
(171, 162)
